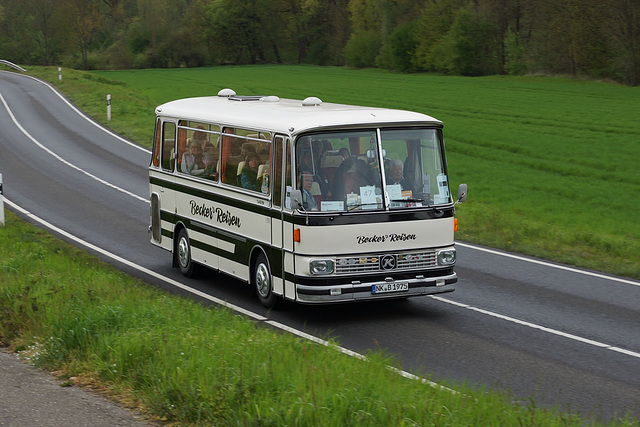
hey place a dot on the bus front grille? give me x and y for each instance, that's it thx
(403, 261)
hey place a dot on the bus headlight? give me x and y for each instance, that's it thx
(447, 257)
(321, 266)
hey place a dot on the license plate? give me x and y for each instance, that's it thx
(390, 287)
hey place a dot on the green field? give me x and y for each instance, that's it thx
(551, 163)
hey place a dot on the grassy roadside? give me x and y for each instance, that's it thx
(179, 362)
(551, 163)
(132, 112)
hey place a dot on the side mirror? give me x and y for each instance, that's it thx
(462, 193)
(296, 200)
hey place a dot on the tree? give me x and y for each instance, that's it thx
(363, 48)
(232, 31)
(566, 37)
(471, 45)
(115, 10)
(400, 49)
(30, 32)
(365, 41)
(43, 28)
(432, 26)
(514, 54)
(85, 20)
(623, 31)
(506, 15)
(300, 25)
(365, 16)
(329, 30)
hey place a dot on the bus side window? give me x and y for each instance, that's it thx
(168, 145)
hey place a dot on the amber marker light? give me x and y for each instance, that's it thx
(455, 224)
(296, 235)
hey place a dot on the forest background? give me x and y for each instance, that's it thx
(584, 38)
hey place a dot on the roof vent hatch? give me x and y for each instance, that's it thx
(311, 101)
(226, 93)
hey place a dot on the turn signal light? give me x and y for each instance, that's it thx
(296, 235)
(455, 224)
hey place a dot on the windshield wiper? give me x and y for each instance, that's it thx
(359, 205)
(408, 200)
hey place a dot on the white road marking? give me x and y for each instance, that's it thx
(548, 264)
(84, 116)
(541, 328)
(71, 165)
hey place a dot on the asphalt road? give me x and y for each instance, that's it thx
(30, 397)
(562, 336)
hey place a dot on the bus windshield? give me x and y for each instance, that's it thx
(341, 171)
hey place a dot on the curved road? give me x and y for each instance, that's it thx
(559, 335)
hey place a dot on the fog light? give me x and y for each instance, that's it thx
(447, 257)
(440, 282)
(321, 266)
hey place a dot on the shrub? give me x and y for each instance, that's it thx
(362, 49)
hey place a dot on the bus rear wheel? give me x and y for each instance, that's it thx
(183, 254)
(262, 280)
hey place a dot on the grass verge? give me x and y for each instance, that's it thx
(184, 364)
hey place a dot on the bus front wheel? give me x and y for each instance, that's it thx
(262, 281)
(183, 254)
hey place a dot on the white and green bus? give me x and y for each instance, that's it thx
(308, 201)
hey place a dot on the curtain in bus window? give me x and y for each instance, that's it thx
(277, 172)
(182, 146)
(157, 145)
(227, 173)
(168, 145)
(412, 167)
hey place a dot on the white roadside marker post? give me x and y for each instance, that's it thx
(1, 203)
(109, 106)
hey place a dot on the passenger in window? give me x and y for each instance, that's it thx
(326, 146)
(249, 175)
(247, 149)
(264, 153)
(352, 174)
(209, 161)
(394, 173)
(306, 182)
(318, 150)
(344, 152)
(319, 175)
(192, 159)
(200, 137)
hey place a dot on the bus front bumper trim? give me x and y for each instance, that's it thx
(360, 291)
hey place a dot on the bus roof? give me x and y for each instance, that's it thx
(287, 116)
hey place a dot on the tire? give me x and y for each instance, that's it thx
(183, 254)
(262, 280)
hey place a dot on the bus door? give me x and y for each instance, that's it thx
(281, 244)
(161, 180)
